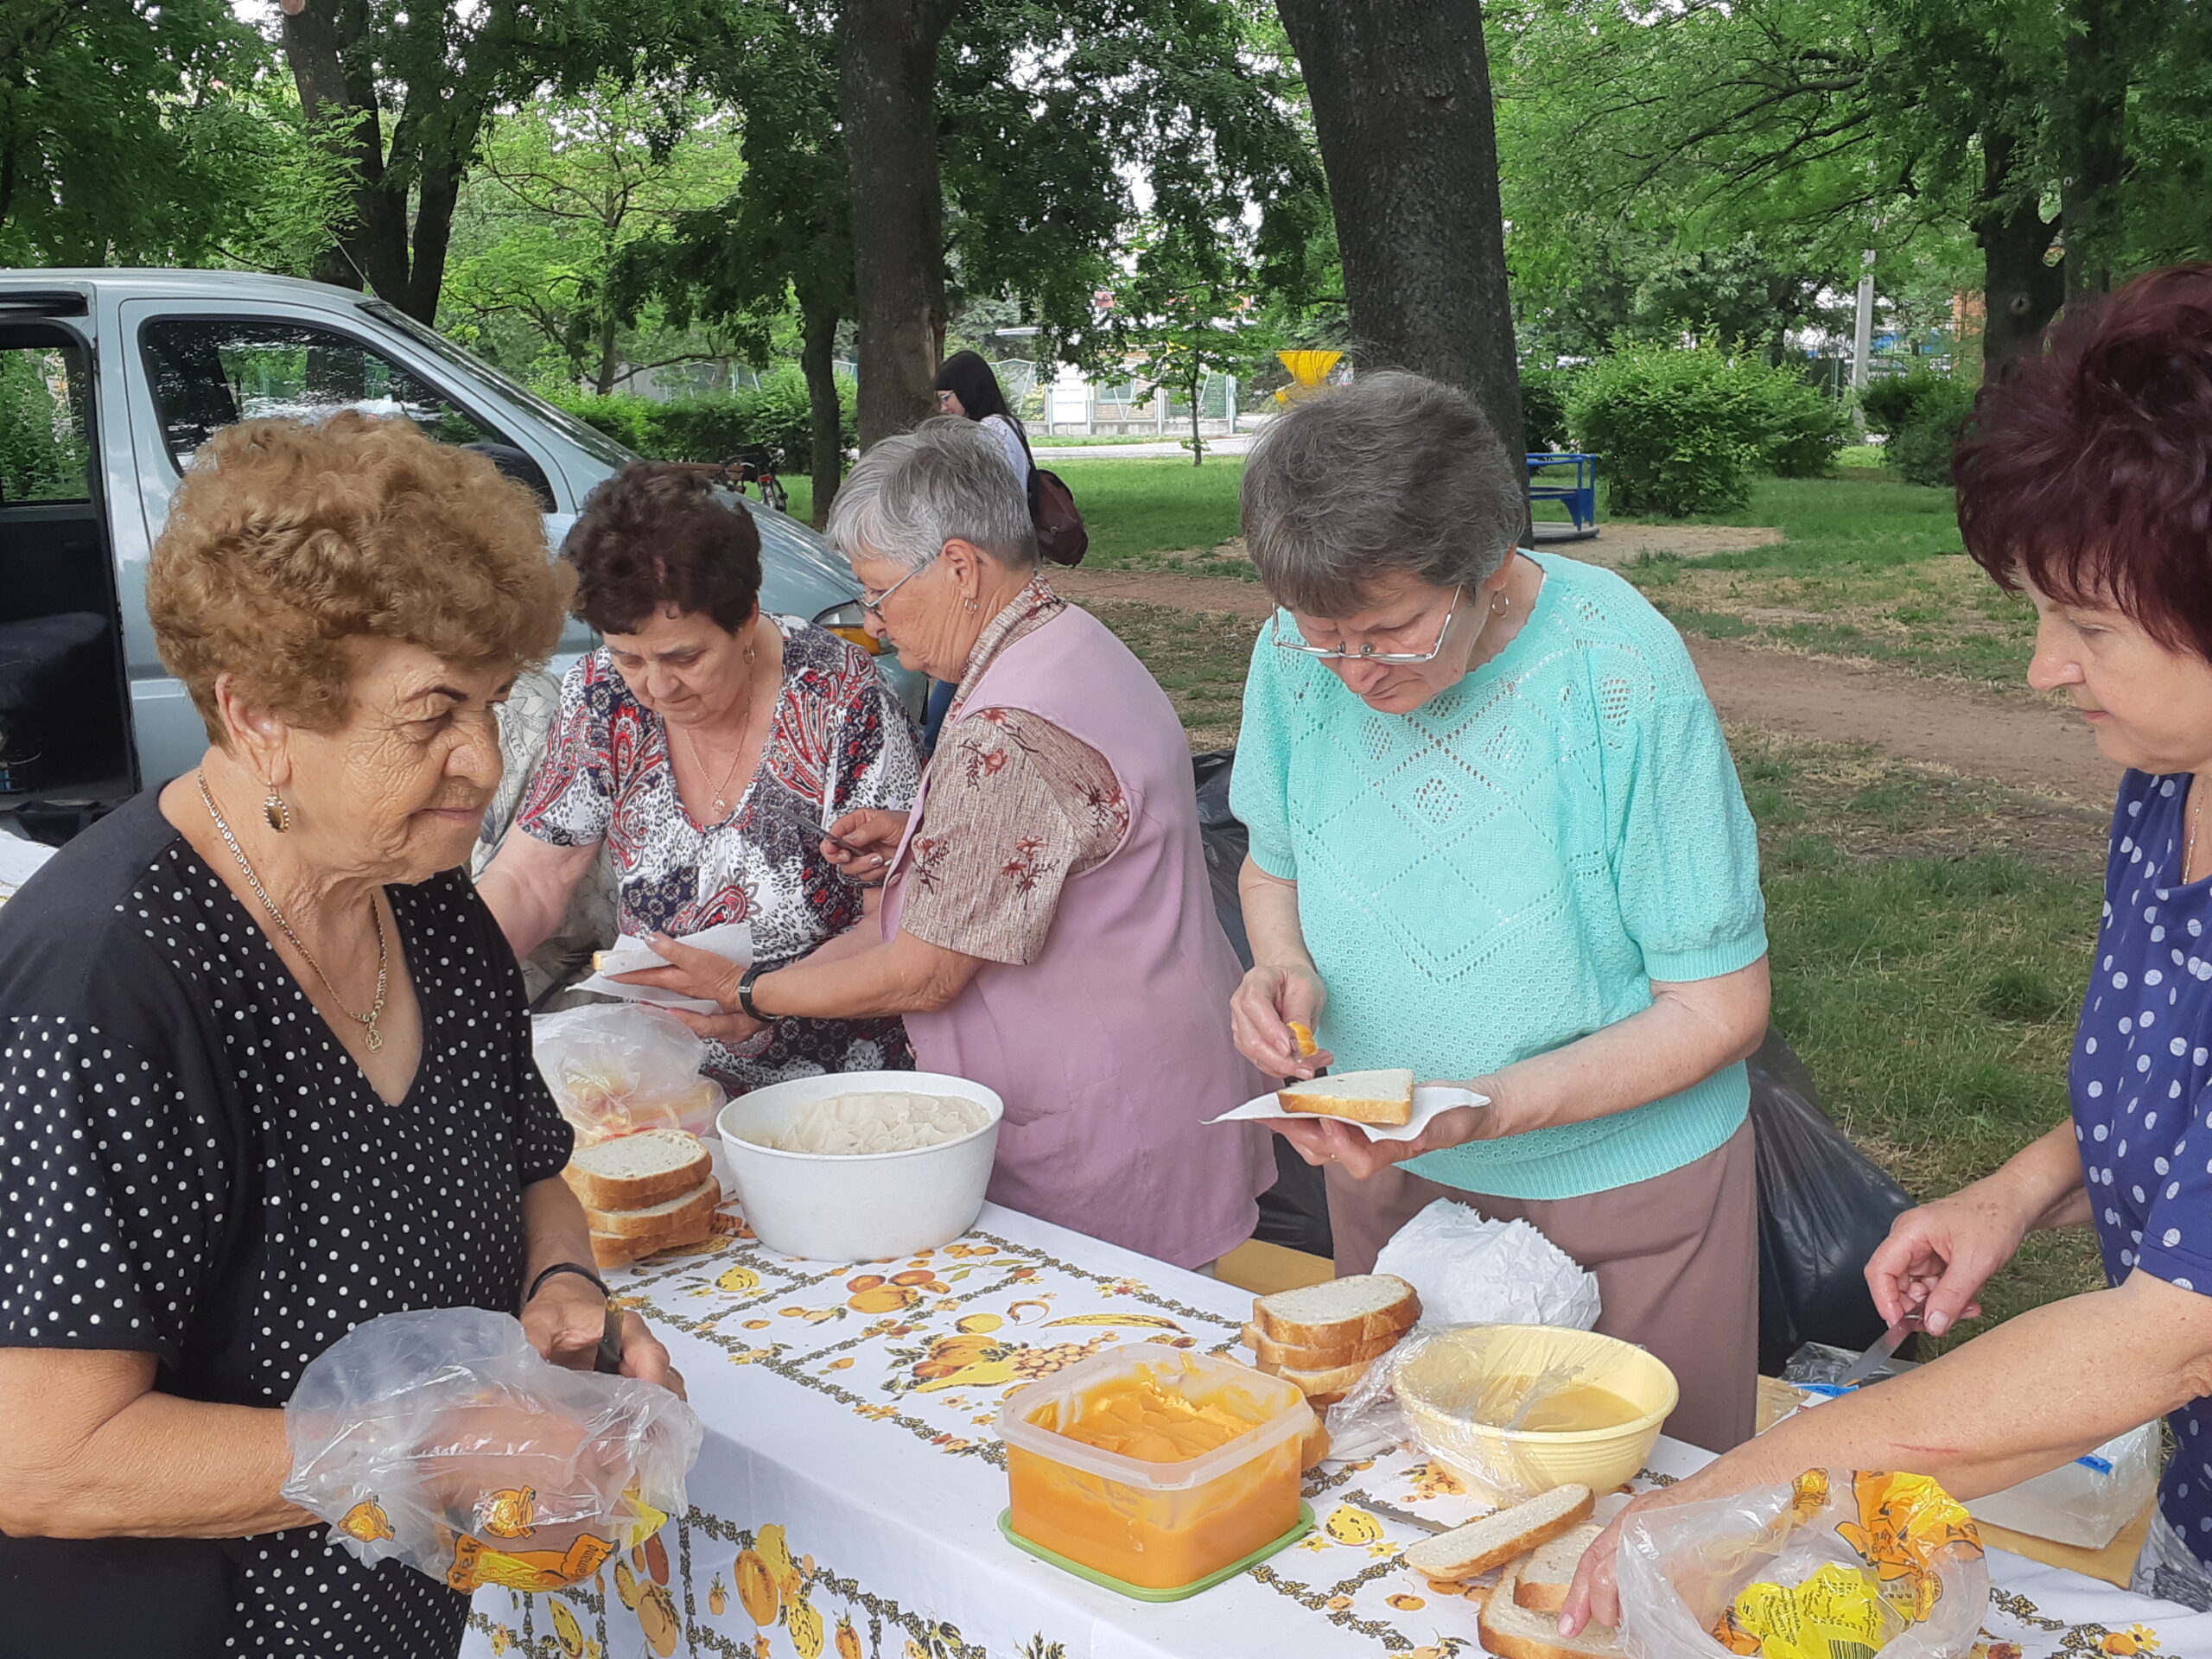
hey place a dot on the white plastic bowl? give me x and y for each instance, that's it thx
(866, 1207)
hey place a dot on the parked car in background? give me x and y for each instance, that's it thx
(111, 380)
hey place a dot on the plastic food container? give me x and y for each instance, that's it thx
(867, 1206)
(1437, 1385)
(1158, 1530)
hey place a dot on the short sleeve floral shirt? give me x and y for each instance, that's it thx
(1016, 806)
(840, 742)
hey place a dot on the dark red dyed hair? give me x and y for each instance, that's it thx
(656, 536)
(2088, 471)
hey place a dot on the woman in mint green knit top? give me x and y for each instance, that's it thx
(1515, 856)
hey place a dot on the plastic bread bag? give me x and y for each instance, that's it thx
(442, 1439)
(1451, 1391)
(1834, 1563)
(616, 1068)
(1472, 1271)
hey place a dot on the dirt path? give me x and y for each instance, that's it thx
(1981, 736)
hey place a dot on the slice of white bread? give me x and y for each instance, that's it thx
(1348, 1350)
(1354, 1312)
(1512, 1632)
(634, 1171)
(1385, 1097)
(1321, 1388)
(1493, 1542)
(700, 1202)
(1546, 1574)
(609, 1251)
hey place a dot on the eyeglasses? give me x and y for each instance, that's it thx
(1367, 653)
(874, 607)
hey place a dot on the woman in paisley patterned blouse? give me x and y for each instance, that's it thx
(1049, 929)
(694, 745)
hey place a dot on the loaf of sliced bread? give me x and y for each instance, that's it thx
(682, 1211)
(1546, 1576)
(1348, 1350)
(1384, 1097)
(1512, 1632)
(635, 1171)
(1493, 1542)
(1343, 1314)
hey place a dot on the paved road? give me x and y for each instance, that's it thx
(1048, 454)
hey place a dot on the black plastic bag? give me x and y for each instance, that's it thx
(1295, 1212)
(1824, 1208)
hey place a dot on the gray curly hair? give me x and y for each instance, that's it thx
(1393, 473)
(945, 479)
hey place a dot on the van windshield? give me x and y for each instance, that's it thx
(589, 439)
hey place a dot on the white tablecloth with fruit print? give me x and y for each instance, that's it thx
(848, 1499)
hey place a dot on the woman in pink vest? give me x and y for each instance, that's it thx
(1047, 929)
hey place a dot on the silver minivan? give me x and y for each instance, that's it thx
(110, 380)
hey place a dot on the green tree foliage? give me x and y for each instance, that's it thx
(561, 192)
(1922, 416)
(1185, 314)
(1868, 123)
(142, 133)
(777, 414)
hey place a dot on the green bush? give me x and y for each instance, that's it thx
(775, 414)
(1678, 432)
(1543, 407)
(1801, 429)
(1667, 427)
(1888, 404)
(1920, 451)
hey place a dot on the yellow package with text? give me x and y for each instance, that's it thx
(1833, 1564)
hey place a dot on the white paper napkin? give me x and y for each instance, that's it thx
(732, 941)
(1429, 1099)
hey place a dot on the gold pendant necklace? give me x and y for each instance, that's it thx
(368, 1020)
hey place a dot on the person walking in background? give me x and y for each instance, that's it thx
(967, 387)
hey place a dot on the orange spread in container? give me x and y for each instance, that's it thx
(1158, 1539)
(1138, 1418)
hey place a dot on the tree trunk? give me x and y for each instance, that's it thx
(1198, 443)
(372, 248)
(1402, 107)
(2095, 134)
(603, 381)
(817, 359)
(887, 103)
(2021, 290)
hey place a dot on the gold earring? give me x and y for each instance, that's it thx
(274, 809)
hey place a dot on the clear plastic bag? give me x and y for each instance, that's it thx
(1832, 1562)
(1470, 1270)
(442, 1439)
(616, 1068)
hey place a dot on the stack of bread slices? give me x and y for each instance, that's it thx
(1323, 1337)
(644, 1193)
(1534, 1549)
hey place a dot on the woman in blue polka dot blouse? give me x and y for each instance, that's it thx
(264, 1062)
(2087, 483)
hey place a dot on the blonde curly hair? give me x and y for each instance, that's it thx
(288, 539)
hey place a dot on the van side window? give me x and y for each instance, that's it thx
(45, 454)
(208, 373)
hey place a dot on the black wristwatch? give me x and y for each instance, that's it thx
(744, 994)
(576, 1268)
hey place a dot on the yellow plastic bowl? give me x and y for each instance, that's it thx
(1441, 1385)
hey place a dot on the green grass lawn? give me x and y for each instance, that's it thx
(1869, 569)
(1930, 937)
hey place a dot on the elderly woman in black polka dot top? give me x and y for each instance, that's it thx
(265, 1064)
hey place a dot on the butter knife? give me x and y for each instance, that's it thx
(1878, 1356)
(1405, 1517)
